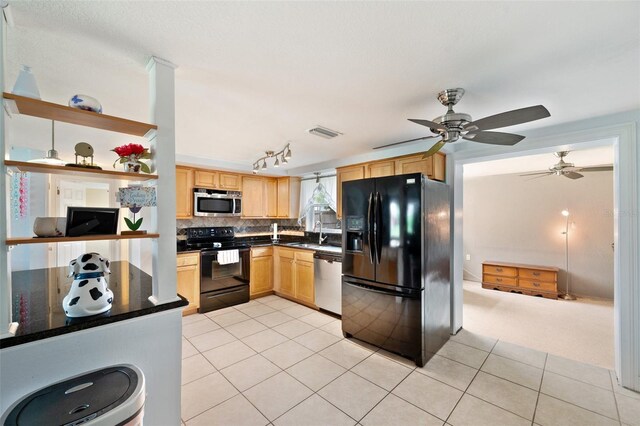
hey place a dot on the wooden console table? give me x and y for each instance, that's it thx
(520, 278)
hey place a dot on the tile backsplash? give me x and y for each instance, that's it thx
(240, 225)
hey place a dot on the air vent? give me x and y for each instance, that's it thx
(323, 132)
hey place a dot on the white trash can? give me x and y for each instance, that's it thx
(105, 397)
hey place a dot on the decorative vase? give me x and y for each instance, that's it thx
(26, 84)
(86, 103)
(132, 166)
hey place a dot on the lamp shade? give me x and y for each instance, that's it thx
(137, 196)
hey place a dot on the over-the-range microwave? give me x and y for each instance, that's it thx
(216, 203)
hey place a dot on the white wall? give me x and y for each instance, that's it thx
(151, 342)
(516, 219)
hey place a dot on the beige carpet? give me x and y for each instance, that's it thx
(581, 329)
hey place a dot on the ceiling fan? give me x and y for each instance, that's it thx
(561, 168)
(453, 125)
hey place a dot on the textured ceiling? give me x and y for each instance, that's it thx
(253, 75)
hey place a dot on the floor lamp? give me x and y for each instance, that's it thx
(567, 295)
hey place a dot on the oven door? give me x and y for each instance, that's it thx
(215, 205)
(214, 276)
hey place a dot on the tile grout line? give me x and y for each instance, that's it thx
(464, 392)
(615, 400)
(535, 410)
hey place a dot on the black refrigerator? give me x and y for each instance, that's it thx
(395, 267)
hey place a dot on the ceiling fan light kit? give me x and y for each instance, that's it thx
(281, 157)
(453, 126)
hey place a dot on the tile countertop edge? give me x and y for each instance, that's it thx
(8, 342)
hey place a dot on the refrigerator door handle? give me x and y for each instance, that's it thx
(380, 291)
(370, 229)
(378, 236)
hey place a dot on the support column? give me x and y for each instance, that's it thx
(163, 149)
(454, 179)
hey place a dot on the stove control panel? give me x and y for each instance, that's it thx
(210, 233)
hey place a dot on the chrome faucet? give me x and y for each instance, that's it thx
(321, 239)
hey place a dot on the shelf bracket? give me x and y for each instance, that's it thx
(11, 108)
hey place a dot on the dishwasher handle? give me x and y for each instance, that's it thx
(327, 257)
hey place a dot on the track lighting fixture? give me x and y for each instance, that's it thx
(281, 157)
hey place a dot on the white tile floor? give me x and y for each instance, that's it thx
(271, 361)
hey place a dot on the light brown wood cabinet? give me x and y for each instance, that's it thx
(288, 197)
(261, 275)
(345, 174)
(262, 197)
(294, 274)
(184, 193)
(271, 197)
(380, 169)
(188, 280)
(229, 181)
(521, 278)
(206, 179)
(253, 193)
(432, 167)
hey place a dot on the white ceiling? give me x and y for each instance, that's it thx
(541, 162)
(253, 75)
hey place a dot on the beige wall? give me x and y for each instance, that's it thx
(516, 219)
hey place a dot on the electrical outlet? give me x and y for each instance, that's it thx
(468, 257)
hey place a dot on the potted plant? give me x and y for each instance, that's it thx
(130, 155)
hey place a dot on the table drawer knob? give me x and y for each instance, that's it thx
(536, 284)
(499, 280)
(536, 274)
(498, 269)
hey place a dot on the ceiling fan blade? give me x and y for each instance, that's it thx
(596, 169)
(509, 118)
(494, 138)
(410, 140)
(543, 175)
(536, 173)
(429, 124)
(572, 175)
(435, 148)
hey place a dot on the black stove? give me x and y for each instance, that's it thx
(213, 238)
(224, 281)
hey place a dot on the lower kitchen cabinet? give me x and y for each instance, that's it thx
(261, 275)
(294, 274)
(188, 280)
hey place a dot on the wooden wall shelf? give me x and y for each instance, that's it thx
(42, 240)
(38, 108)
(24, 166)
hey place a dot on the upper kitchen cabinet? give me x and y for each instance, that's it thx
(253, 197)
(432, 167)
(206, 179)
(380, 169)
(288, 197)
(229, 181)
(271, 197)
(184, 193)
(345, 174)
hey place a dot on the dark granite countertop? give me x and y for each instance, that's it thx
(37, 302)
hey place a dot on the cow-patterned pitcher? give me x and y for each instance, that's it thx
(89, 294)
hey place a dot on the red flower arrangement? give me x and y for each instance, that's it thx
(130, 155)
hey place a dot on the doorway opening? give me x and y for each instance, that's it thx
(512, 216)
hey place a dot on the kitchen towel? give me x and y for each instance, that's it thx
(226, 257)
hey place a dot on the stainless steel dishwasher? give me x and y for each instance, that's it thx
(327, 273)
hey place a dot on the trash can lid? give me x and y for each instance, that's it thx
(76, 400)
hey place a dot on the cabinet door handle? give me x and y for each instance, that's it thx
(498, 269)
